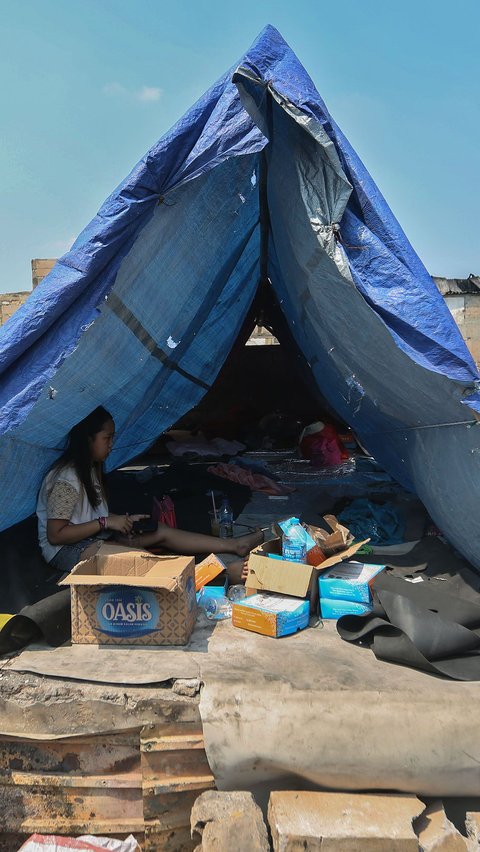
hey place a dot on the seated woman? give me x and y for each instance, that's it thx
(73, 516)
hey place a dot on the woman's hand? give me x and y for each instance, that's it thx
(136, 518)
(121, 523)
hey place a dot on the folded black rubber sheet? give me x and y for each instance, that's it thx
(432, 623)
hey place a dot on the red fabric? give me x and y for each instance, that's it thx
(163, 511)
(324, 446)
(255, 481)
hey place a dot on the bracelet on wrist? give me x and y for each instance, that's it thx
(103, 523)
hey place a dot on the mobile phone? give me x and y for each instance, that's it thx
(145, 525)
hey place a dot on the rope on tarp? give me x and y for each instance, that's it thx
(468, 423)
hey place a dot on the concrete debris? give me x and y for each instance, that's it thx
(436, 833)
(228, 822)
(472, 824)
(189, 687)
(343, 822)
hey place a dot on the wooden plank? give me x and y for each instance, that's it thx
(92, 780)
(141, 782)
(115, 753)
(53, 779)
(175, 772)
(84, 806)
(109, 827)
(157, 839)
(170, 810)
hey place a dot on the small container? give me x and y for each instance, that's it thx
(217, 609)
(237, 592)
(293, 550)
(214, 523)
(225, 517)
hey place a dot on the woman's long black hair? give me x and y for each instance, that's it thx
(78, 453)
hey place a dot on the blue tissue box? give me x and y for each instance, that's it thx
(213, 591)
(336, 608)
(350, 581)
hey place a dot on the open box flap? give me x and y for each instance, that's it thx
(275, 575)
(285, 577)
(341, 555)
(120, 565)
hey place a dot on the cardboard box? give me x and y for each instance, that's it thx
(271, 615)
(349, 581)
(334, 539)
(207, 570)
(336, 608)
(124, 596)
(211, 578)
(274, 574)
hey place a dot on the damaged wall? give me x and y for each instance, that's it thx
(462, 297)
(9, 302)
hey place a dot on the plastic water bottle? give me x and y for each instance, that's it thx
(236, 593)
(225, 520)
(216, 609)
(293, 549)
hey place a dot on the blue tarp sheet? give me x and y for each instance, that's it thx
(141, 313)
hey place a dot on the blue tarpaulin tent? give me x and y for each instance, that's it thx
(255, 183)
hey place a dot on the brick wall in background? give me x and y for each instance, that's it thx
(462, 297)
(41, 266)
(9, 302)
(466, 313)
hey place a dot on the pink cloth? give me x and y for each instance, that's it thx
(255, 481)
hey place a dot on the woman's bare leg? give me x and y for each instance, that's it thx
(181, 541)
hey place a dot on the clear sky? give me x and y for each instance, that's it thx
(87, 86)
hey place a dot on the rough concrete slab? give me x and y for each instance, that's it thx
(472, 825)
(228, 822)
(436, 833)
(343, 822)
(285, 713)
(285, 722)
(33, 707)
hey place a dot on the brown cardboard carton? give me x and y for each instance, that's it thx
(124, 596)
(289, 578)
(338, 539)
(331, 540)
(207, 570)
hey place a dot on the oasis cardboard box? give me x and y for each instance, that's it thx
(267, 571)
(124, 596)
(272, 615)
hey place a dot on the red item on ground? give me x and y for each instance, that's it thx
(320, 442)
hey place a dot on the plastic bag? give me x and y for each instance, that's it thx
(85, 843)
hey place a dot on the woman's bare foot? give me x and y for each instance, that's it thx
(245, 543)
(237, 571)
